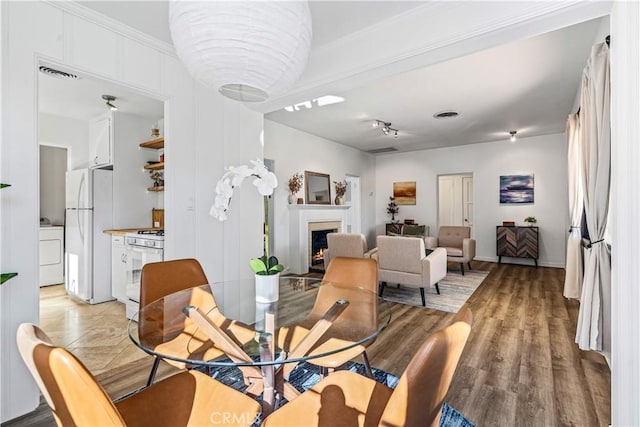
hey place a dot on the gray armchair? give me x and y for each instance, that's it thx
(458, 243)
(350, 245)
(402, 260)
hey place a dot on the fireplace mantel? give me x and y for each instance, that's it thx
(299, 218)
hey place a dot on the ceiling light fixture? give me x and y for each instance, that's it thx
(248, 51)
(385, 127)
(513, 135)
(109, 99)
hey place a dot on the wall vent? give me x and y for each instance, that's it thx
(57, 73)
(445, 114)
(381, 150)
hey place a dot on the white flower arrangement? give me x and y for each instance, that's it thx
(265, 182)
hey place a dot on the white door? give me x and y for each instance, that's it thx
(455, 200)
(353, 198)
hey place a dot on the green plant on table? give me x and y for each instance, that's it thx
(531, 219)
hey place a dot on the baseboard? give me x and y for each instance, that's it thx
(521, 261)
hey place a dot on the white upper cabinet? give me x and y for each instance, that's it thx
(93, 47)
(100, 142)
(140, 64)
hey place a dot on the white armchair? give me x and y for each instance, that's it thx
(350, 245)
(402, 260)
(458, 243)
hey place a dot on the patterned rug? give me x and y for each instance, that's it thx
(455, 290)
(306, 375)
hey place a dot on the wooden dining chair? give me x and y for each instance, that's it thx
(189, 398)
(160, 279)
(347, 272)
(346, 398)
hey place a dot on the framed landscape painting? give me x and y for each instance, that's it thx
(405, 192)
(516, 189)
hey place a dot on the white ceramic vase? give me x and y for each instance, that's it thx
(267, 288)
(292, 199)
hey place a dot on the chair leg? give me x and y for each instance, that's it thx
(462, 267)
(382, 285)
(422, 296)
(469, 264)
(367, 365)
(154, 369)
(437, 289)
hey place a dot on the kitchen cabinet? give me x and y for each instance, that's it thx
(51, 255)
(100, 142)
(156, 144)
(118, 268)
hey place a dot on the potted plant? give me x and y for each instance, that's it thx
(295, 185)
(530, 220)
(341, 190)
(392, 208)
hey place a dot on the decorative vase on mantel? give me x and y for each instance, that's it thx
(339, 200)
(293, 199)
(267, 287)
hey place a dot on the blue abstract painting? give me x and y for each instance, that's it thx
(516, 188)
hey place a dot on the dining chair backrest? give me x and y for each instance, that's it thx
(361, 272)
(72, 393)
(159, 279)
(420, 393)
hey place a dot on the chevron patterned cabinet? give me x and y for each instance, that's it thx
(517, 242)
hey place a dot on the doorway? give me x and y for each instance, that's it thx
(455, 200)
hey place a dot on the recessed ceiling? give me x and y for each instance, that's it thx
(528, 85)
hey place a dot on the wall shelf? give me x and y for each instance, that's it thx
(155, 166)
(153, 143)
(158, 188)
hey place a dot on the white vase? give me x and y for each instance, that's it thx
(267, 288)
(292, 199)
(339, 200)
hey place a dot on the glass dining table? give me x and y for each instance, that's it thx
(221, 325)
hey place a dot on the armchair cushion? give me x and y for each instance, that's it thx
(350, 245)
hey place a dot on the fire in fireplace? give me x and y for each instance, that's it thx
(318, 246)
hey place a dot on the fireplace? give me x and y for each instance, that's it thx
(303, 220)
(318, 243)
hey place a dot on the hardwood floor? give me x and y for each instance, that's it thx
(520, 366)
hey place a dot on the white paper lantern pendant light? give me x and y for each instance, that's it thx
(248, 50)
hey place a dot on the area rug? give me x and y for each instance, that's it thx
(306, 375)
(455, 290)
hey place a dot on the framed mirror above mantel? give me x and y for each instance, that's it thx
(317, 188)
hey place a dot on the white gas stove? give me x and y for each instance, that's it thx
(143, 247)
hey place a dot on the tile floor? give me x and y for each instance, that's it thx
(95, 334)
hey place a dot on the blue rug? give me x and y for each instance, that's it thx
(306, 375)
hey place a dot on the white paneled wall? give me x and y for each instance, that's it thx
(65, 33)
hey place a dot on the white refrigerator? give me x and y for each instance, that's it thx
(89, 200)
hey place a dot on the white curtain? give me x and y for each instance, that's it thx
(594, 318)
(573, 276)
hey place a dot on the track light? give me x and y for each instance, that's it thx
(513, 135)
(110, 98)
(385, 127)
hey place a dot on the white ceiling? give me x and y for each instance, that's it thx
(81, 99)
(529, 85)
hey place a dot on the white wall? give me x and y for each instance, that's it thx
(297, 151)
(204, 132)
(71, 134)
(53, 167)
(543, 156)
